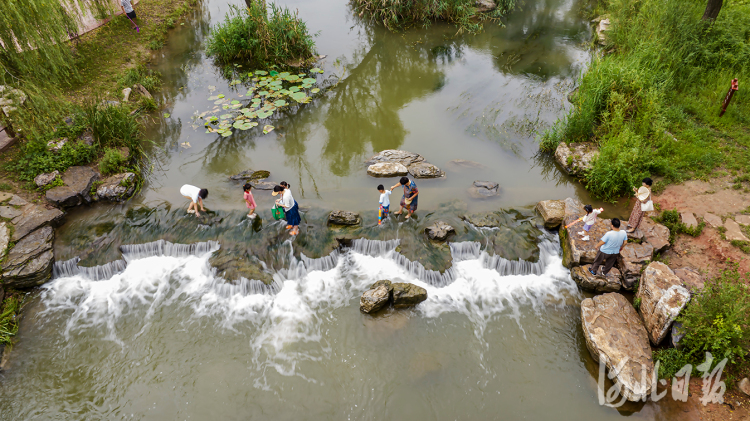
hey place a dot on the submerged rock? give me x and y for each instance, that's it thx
(633, 257)
(387, 169)
(251, 175)
(662, 298)
(404, 158)
(463, 164)
(552, 211)
(29, 263)
(235, 264)
(576, 158)
(339, 217)
(77, 188)
(425, 170)
(117, 187)
(407, 295)
(42, 180)
(439, 231)
(484, 189)
(615, 336)
(611, 282)
(483, 220)
(376, 297)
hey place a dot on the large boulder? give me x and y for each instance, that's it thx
(577, 251)
(425, 170)
(404, 158)
(77, 188)
(552, 211)
(576, 158)
(407, 295)
(691, 279)
(652, 233)
(484, 189)
(612, 282)
(29, 263)
(439, 231)
(387, 169)
(32, 218)
(117, 188)
(633, 257)
(616, 337)
(662, 298)
(376, 297)
(339, 217)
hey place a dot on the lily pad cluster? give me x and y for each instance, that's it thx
(267, 93)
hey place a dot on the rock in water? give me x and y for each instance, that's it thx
(691, 279)
(34, 217)
(633, 257)
(407, 295)
(425, 170)
(404, 158)
(262, 184)
(339, 217)
(117, 188)
(484, 189)
(387, 169)
(552, 211)
(77, 188)
(439, 231)
(376, 297)
(616, 337)
(612, 282)
(577, 251)
(42, 180)
(662, 298)
(576, 158)
(29, 263)
(463, 164)
(251, 175)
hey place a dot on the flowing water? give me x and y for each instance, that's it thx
(140, 324)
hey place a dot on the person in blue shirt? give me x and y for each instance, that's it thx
(609, 248)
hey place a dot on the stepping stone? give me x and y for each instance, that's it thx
(742, 219)
(713, 220)
(734, 232)
(689, 219)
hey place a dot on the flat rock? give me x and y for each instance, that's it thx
(576, 251)
(251, 175)
(552, 211)
(263, 184)
(17, 201)
(42, 180)
(612, 282)
(4, 197)
(691, 278)
(439, 231)
(4, 239)
(484, 189)
(404, 158)
(633, 257)
(734, 232)
(576, 158)
(77, 188)
(463, 164)
(117, 188)
(10, 212)
(483, 219)
(425, 170)
(713, 220)
(615, 336)
(33, 218)
(29, 263)
(742, 219)
(339, 217)
(376, 297)
(407, 295)
(387, 169)
(233, 264)
(662, 298)
(689, 219)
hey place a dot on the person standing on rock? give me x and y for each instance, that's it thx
(409, 200)
(642, 205)
(291, 209)
(609, 248)
(385, 203)
(196, 196)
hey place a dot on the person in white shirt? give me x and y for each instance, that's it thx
(196, 196)
(589, 220)
(385, 204)
(127, 8)
(291, 209)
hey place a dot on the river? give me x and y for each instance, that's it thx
(157, 335)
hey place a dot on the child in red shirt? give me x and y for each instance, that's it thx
(249, 201)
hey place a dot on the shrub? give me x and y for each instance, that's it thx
(112, 162)
(671, 360)
(150, 79)
(253, 35)
(671, 219)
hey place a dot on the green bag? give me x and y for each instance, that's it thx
(277, 212)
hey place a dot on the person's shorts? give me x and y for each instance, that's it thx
(131, 15)
(587, 227)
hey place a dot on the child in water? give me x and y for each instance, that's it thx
(249, 201)
(589, 220)
(385, 203)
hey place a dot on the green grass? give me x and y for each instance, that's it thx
(652, 106)
(150, 79)
(8, 321)
(672, 220)
(261, 37)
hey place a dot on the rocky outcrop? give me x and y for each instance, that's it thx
(633, 257)
(250, 175)
(407, 295)
(615, 336)
(439, 231)
(576, 158)
(662, 298)
(34, 217)
(42, 180)
(425, 170)
(484, 189)
(612, 282)
(376, 297)
(691, 279)
(117, 188)
(339, 217)
(577, 251)
(652, 233)
(29, 263)
(77, 188)
(552, 211)
(387, 169)
(404, 158)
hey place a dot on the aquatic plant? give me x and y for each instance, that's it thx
(254, 35)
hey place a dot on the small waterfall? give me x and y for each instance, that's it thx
(66, 268)
(465, 250)
(94, 273)
(165, 248)
(245, 287)
(374, 248)
(505, 267)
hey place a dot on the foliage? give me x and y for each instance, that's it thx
(671, 360)
(57, 182)
(637, 303)
(398, 14)
(254, 35)
(5, 186)
(150, 79)
(112, 162)
(671, 219)
(652, 106)
(8, 321)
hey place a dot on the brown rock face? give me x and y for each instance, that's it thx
(376, 297)
(29, 263)
(633, 257)
(691, 279)
(552, 211)
(615, 336)
(611, 282)
(407, 295)
(576, 251)
(662, 298)
(653, 233)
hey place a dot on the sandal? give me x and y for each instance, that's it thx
(288, 227)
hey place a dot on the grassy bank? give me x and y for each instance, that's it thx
(652, 104)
